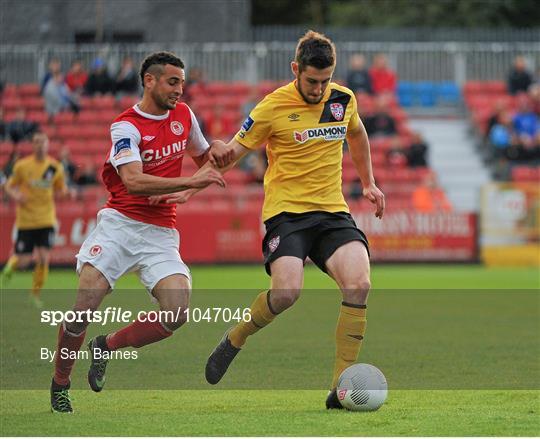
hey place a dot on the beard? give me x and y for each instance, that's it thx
(307, 99)
(164, 102)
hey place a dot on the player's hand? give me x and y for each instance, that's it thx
(220, 155)
(206, 177)
(175, 198)
(375, 195)
(19, 197)
(181, 197)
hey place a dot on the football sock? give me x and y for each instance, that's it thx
(261, 315)
(350, 330)
(68, 346)
(138, 334)
(41, 271)
(11, 265)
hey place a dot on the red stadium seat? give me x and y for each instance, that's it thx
(33, 103)
(218, 88)
(10, 90)
(29, 89)
(38, 117)
(11, 103)
(66, 117)
(127, 102)
(101, 103)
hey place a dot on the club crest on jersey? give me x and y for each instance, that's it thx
(95, 250)
(337, 111)
(273, 244)
(177, 128)
(328, 133)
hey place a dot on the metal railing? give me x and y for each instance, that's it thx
(253, 62)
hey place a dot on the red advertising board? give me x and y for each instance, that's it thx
(235, 236)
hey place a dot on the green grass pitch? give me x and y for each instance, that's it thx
(459, 345)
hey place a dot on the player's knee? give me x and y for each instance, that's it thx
(356, 290)
(283, 299)
(176, 317)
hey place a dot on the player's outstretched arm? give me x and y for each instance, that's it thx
(139, 183)
(233, 149)
(360, 153)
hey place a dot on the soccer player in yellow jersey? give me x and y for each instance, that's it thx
(33, 184)
(303, 126)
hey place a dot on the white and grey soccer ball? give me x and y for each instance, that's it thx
(362, 387)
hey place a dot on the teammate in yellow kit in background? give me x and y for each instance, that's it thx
(34, 182)
(303, 126)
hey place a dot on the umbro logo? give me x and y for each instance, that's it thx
(357, 336)
(148, 138)
(293, 117)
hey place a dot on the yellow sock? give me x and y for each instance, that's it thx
(350, 330)
(11, 264)
(261, 315)
(41, 271)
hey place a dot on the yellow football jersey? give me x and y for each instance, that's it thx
(37, 180)
(304, 145)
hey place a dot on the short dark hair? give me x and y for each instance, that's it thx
(159, 59)
(316, 50)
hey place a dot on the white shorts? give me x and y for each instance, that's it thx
(120, 245)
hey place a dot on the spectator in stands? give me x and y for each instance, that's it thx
(20, 128)
(495, 118)
(429, 197)
(195, 84)
(251, 101)
(58, 97)
(127, 80)
(519, 78)
(358, 78)
(380, 123)
(76, 78)
(526, 126)
(396, 156)
(416, 154)
(255, 164)
(54, 67)
(70, 168)
(219, 126)
(3, 125)
(503, 139)
(87, 175)
(534, 96)
(383, 79)
(195, 108)
(99, 81)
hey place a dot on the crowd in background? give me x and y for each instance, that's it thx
(63, 91)
(512, 134)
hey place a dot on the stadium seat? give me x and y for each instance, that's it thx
(32, 90)
(33, 103)
(11, 103)
(38, 117)
(447, 93)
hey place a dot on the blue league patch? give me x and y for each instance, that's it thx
(122, 144)
(248, 123)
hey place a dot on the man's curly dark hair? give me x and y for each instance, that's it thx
(155, 62)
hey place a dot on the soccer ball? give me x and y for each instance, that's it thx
(362, 387)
